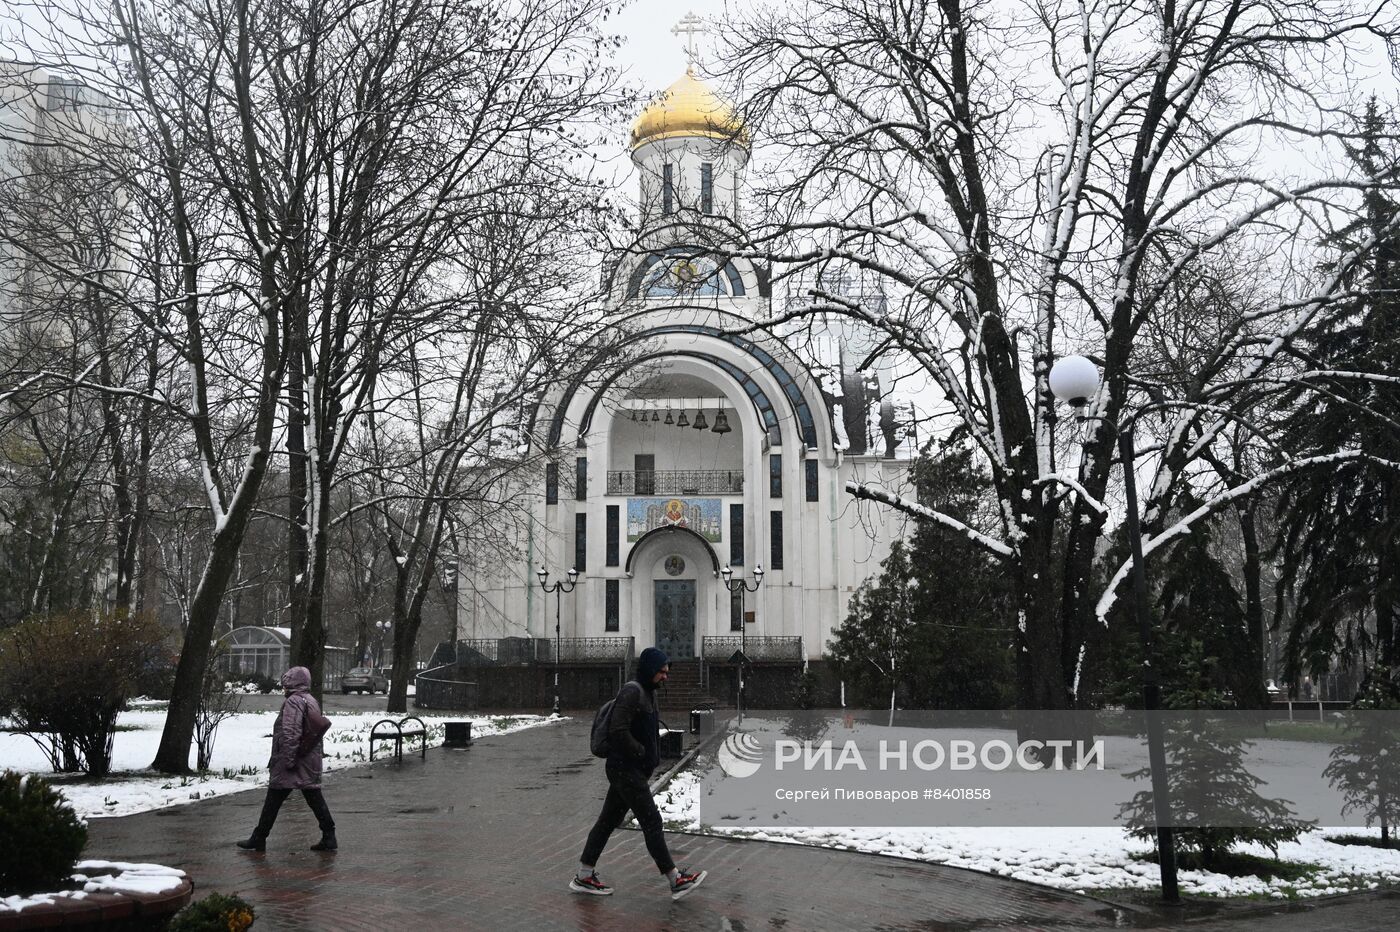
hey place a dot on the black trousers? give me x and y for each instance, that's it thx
(628, 789)
(275, 799)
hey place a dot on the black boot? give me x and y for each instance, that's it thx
(271, 804)
(317, 802)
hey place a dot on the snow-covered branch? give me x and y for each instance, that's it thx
(914, 509)
(1183, 527)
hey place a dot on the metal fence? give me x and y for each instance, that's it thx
(676, 482)
(486, 652)
(431, 691)
(758, 649)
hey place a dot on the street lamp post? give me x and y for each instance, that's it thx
(743, 588)
(558, 588)
(1074, 380)
(384, 627)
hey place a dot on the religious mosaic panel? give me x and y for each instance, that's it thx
(701, 515)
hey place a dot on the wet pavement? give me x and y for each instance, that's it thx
(487, 838)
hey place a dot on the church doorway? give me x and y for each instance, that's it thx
(674, 605)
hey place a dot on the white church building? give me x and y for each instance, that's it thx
(706, 449)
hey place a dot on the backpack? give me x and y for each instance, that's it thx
(598, 741)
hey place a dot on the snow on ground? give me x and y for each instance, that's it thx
(98, 877)
(1077, 859)
(241, 749)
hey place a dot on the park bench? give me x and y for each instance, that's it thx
(398, 732)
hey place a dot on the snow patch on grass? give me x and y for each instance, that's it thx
(241, 751)
(1082, 860)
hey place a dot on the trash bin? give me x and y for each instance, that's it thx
(457, 735)
(671, 743)
(702, 721)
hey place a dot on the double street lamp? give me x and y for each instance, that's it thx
(558, 588)
(743, 588)
(383, 628)
(1074, 380)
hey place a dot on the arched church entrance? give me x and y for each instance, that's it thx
(674, 569)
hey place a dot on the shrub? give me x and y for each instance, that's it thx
(258, 681)
(65, 677)
(217, 912)
(43, 837)
(215, 704)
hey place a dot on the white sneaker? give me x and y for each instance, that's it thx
(590, 885)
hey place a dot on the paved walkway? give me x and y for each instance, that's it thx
(486, 838)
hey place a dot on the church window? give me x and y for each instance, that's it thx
(611, 544)
(611, 606)
(551, 483)
(707, 188)
(810, 466)
(775, 539)
(736, 611)
(668, 189)
(680, 271)
(675, 276)
(644, 473)
(736, 535)
(581, 478)
(775, 475)
(581, 542)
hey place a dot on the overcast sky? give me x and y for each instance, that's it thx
(653, 56)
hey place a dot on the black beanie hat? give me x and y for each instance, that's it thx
(652, 660)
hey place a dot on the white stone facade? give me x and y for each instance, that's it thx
(663, 507)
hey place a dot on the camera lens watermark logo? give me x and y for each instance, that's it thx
(740, 755)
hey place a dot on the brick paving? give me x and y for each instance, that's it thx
(486, 838)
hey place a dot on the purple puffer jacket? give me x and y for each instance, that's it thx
(296, 736)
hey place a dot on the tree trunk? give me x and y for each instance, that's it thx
(173, 755)
(309, 650)
(298, 483)
(1257, 696)
(406, 624)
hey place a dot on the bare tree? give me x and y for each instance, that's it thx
(429, 119)
(448, 451)
(63, 244)
(1035, 179)
(308, 173)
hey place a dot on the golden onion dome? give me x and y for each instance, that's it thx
(689, 108)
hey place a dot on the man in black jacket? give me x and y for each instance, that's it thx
(633, 753)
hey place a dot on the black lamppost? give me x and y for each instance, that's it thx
(384, 627)
(1074, 380)
(743, 588)
(558, 589)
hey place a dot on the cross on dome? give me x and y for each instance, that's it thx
(690, 26)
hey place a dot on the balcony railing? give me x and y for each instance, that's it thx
(491, 652)
(757, 649)
(676, 482)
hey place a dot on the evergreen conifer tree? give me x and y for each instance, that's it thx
(1365, 768)
(1340, 535)
(933, 630)
(1214, 798)
(1200, 604)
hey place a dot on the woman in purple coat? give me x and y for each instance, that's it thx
(296, 761)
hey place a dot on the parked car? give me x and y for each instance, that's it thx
(364, 680)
